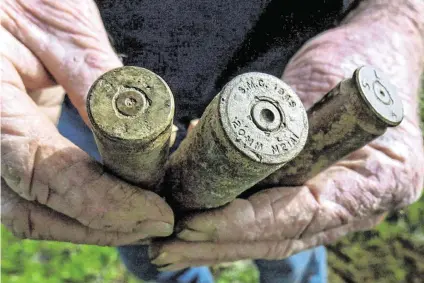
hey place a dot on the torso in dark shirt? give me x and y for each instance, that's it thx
(198, 45)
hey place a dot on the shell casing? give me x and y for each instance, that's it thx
(351, 115)
(250, 129)
(131, 112)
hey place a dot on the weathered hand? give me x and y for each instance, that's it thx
(353, 194)
(51, 189)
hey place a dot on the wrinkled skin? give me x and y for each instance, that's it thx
(350, 196)
(51, 189)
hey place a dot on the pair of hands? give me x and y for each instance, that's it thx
(52, 190)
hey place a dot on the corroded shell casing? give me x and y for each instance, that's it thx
(351, 115)
(131, 111)
(250, 129)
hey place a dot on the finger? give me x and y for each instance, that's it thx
(174, 133)
(331, 235)
(69, 39)
(175, 254)
(183, 265)
(273, 214)
(39, 164)
(31, 73)
(193, 123)
(49, 100)
(21, 68)
(370, 181)
(30, 220)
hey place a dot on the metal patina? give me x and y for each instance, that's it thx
(351, 115)
(131, 111)
(251, 128)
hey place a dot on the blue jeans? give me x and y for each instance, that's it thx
(308, 266)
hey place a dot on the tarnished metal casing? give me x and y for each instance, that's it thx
(250, 129)
(351, 115)
(131, 111)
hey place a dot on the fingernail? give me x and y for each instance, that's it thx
(159, 260)
(163, 267)
(166, 258)
(193, 236)
(158, 228)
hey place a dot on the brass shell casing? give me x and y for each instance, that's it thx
(250, 129)
(355, 112)
(131, 111)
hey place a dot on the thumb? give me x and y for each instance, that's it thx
(69, 39)
(192, 125)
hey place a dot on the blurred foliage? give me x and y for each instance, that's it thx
(238, 272)
(393, 252)
(26, 261)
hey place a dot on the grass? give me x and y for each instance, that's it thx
(27, 261)
(393, 252)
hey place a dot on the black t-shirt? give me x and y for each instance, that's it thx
(197, 46)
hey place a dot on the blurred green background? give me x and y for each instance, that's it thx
(393, 252)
